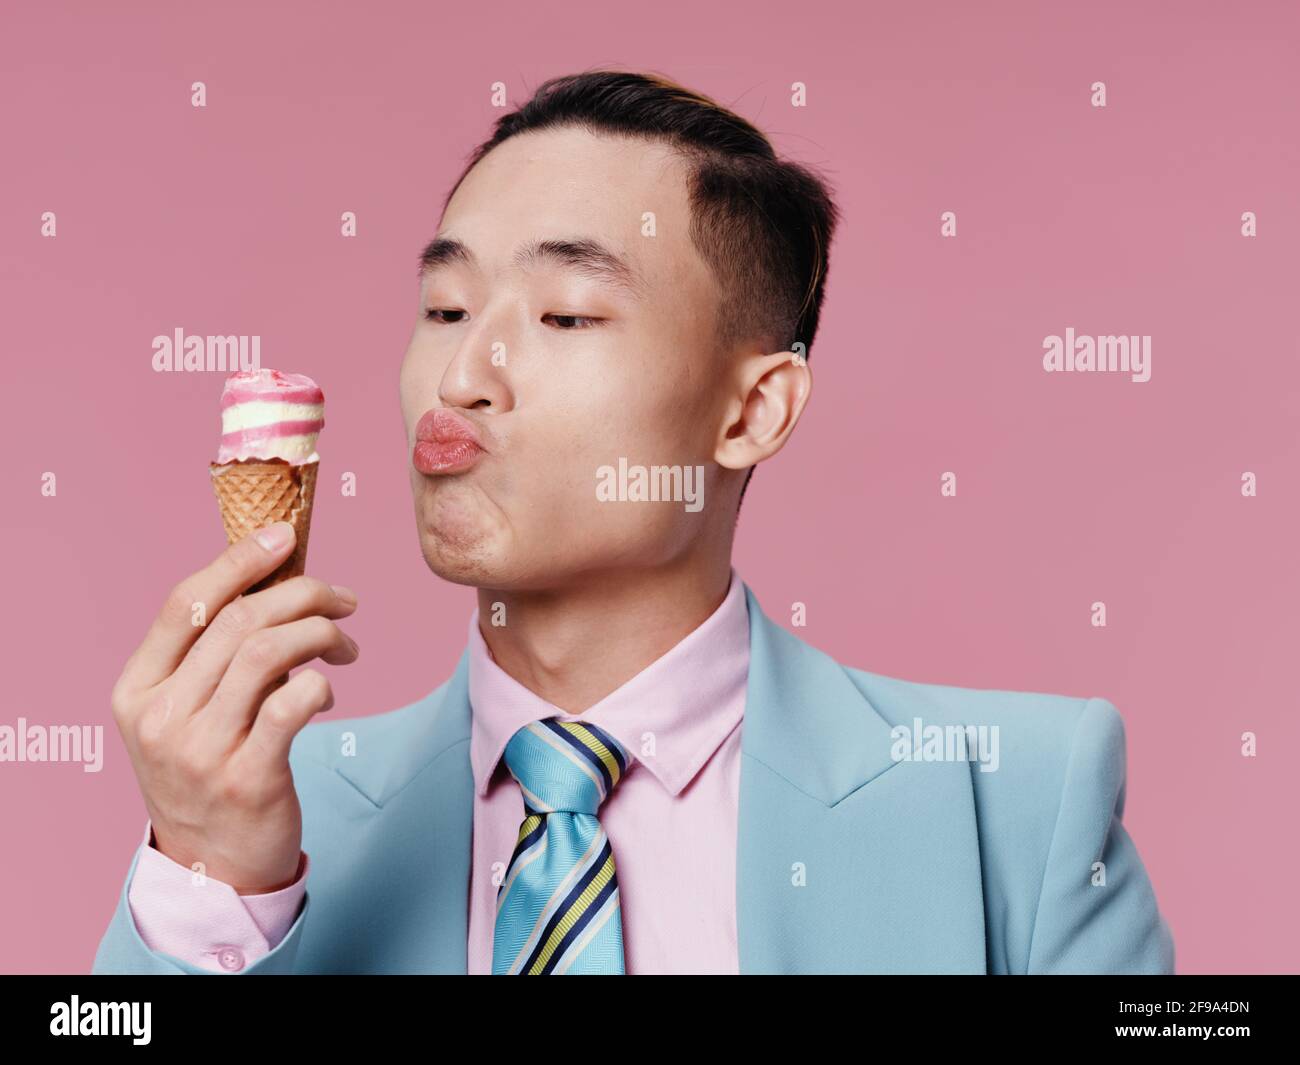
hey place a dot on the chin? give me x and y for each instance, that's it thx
(482, 568)
(455, 567)
(455, 537)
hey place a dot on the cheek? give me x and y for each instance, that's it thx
(656, 423)
(417, 383)
(642, 404)
(408, 387)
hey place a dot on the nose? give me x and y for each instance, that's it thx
(477, 377)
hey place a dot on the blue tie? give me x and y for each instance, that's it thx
(558, 906)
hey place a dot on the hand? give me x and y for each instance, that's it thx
(208, 713)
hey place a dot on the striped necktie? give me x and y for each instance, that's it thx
(558, 905)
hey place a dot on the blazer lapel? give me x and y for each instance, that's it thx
(438, 812)
(847, 860)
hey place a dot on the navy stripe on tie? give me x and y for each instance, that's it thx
(599, 763)
(520, 847)
(611, 886)
(593, 870)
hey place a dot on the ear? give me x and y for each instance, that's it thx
(773, 390)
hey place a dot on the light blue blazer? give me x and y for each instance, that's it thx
(850, 857)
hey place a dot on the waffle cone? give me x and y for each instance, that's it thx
(254, 494)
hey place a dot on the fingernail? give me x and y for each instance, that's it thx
(346, 594)
(275, 536)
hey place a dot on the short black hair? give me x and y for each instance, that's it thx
(763, 224)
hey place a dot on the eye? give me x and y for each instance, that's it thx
(571, 321)
(436, 314)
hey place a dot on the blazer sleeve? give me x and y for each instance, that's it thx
(1097, 908)
(123, 951)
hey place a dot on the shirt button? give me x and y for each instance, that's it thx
(231, 959)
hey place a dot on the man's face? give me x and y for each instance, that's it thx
(559, 369)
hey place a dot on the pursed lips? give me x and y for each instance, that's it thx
(446, 442)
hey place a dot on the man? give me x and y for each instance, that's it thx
(632, 769)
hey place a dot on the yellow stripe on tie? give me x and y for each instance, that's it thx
(578, 908)
(593, 744)
(527, 826)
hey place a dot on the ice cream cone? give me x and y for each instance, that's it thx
(252, 494)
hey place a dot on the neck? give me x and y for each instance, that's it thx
(574, 646)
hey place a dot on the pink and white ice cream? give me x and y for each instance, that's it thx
(266, 414)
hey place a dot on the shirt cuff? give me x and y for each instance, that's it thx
(204, 921)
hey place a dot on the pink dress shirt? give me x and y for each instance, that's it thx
(671, 821)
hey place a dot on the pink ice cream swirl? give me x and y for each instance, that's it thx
(266, 414)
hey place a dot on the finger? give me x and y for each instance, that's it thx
(263, 657)
(202, 595)
(286, 710)
(203, 667)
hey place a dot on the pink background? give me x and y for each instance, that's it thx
(1072, 488)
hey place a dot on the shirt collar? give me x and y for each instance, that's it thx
(670, 717)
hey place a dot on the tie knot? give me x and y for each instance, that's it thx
(565, 765)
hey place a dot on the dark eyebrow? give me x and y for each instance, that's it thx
(588, 257)
(442, 250)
